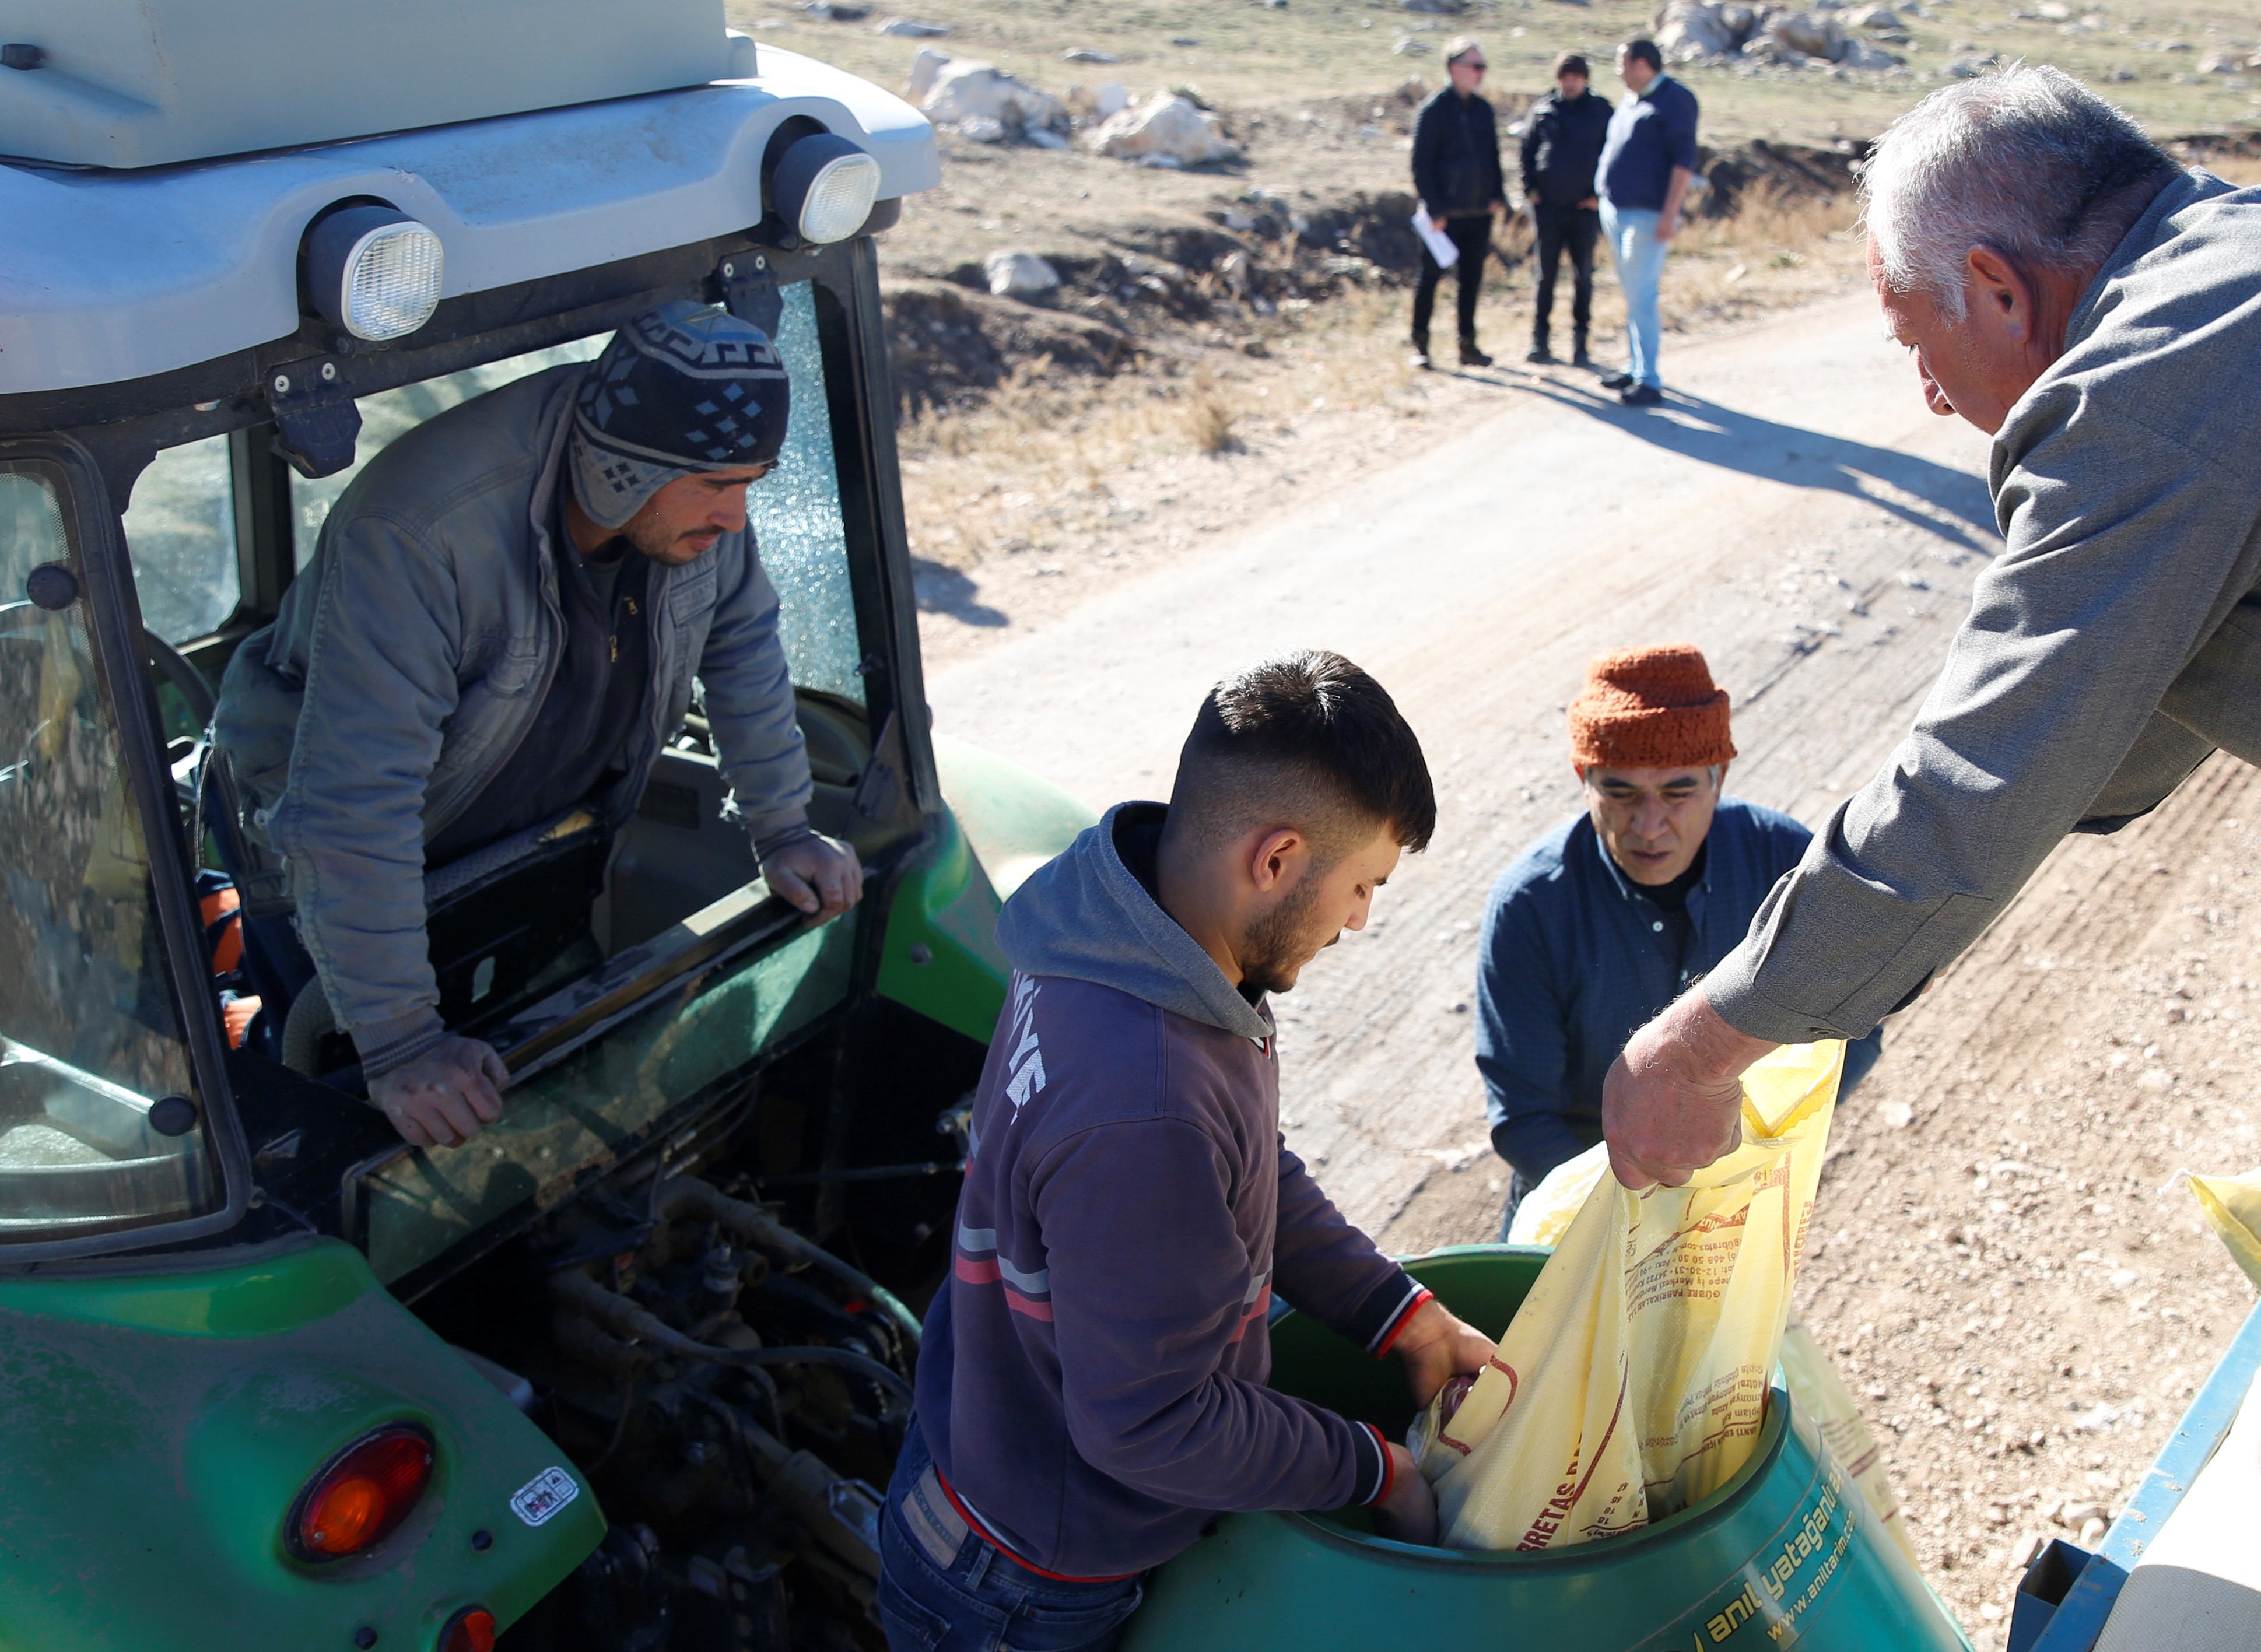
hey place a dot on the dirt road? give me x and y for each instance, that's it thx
(1794, 511)
(2001, 1261)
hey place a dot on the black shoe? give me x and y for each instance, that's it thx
(1617, 381)
(1421, 352)
(1471, 356)
(1578, 357)
(1640, 396)
(1539, 354)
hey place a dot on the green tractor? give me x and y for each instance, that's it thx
(623, 1371)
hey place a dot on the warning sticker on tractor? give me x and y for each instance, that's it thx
(1779, 1587)
(543, 1496)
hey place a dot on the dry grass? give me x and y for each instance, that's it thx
(1051, 465)
(1211, 417)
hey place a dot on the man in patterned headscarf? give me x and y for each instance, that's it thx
(498, 635)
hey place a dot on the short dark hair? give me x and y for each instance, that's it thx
(1573, 63)
(1307, 740)
(1646, 52)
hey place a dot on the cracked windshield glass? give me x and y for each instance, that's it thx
(89, 1036)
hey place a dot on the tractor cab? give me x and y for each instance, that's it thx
(624, 1369)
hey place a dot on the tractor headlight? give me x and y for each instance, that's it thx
(824, 187)
(373, 271)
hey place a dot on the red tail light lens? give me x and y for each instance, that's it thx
(365, 1492)
(470, 1631)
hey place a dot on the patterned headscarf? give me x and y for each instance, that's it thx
(681, 389)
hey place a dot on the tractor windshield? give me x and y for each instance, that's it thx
(90, 1034)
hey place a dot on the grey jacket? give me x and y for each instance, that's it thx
(2114, 646)
(409, 659)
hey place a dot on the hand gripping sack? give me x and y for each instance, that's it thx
(1632, 1380)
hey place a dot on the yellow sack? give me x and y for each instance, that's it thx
(1545, 1215)
(1632, 1380)
(1817, 1390)
(2233, 1205)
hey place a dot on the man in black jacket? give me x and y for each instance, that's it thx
(1561, 148)
(1456, 173)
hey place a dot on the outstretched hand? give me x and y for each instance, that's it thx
(1673, 1101)
(1437, 1346)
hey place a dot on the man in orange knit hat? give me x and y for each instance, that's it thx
(1614, 914)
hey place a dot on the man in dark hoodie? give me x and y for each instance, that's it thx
(1456, 173)
(1562, 144)
(1091, 1390)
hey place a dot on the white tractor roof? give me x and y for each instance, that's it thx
(111, 276)
(148, 82)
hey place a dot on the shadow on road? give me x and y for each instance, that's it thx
(942, 589)
(1699, 429)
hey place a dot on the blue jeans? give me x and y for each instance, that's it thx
(943, 1589)
(1631, 232)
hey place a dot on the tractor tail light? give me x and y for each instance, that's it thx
(470, 1630)
(365, 1492)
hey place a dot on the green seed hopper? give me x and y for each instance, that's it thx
(1788, 1554)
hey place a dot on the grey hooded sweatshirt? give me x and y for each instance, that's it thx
(1092, 1380)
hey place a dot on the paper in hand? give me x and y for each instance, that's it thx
(1433, 237)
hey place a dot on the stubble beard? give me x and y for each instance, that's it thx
(1279, 944)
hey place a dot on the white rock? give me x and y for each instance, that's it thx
(1861, 54)
(913, 28)
(1690, 31)
(1044, 138)
(1019, 275)
(1411, 46)
(1166, 130)
(1087, 54)
(979, 129)
(965, 90)
(924, 66)
(1111, 99)
(1896, 1115)
(1811, 32)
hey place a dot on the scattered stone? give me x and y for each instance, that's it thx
(925, 66)
(1410, 46)
(1087, 54)
(914, 28)
(964, 91)
(1167, 130)
(1896, 1115)
(1973, 64)
(835, 10)
(1019, 275)
(1688, 31)
(1183, 40)
(1437, 8)
(2092, 1533)
(2231, 63)
(1045, 137)
(1814, 33)
(979, 129)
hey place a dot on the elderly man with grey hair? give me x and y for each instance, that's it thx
(2066, 287)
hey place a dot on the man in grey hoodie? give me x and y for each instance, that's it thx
(1091, 1390)
(2062, 284)
(498, 635)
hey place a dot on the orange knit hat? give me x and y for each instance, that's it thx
(1650, 709)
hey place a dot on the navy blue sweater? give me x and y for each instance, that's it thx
(1574, 959)
(1649, 135)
